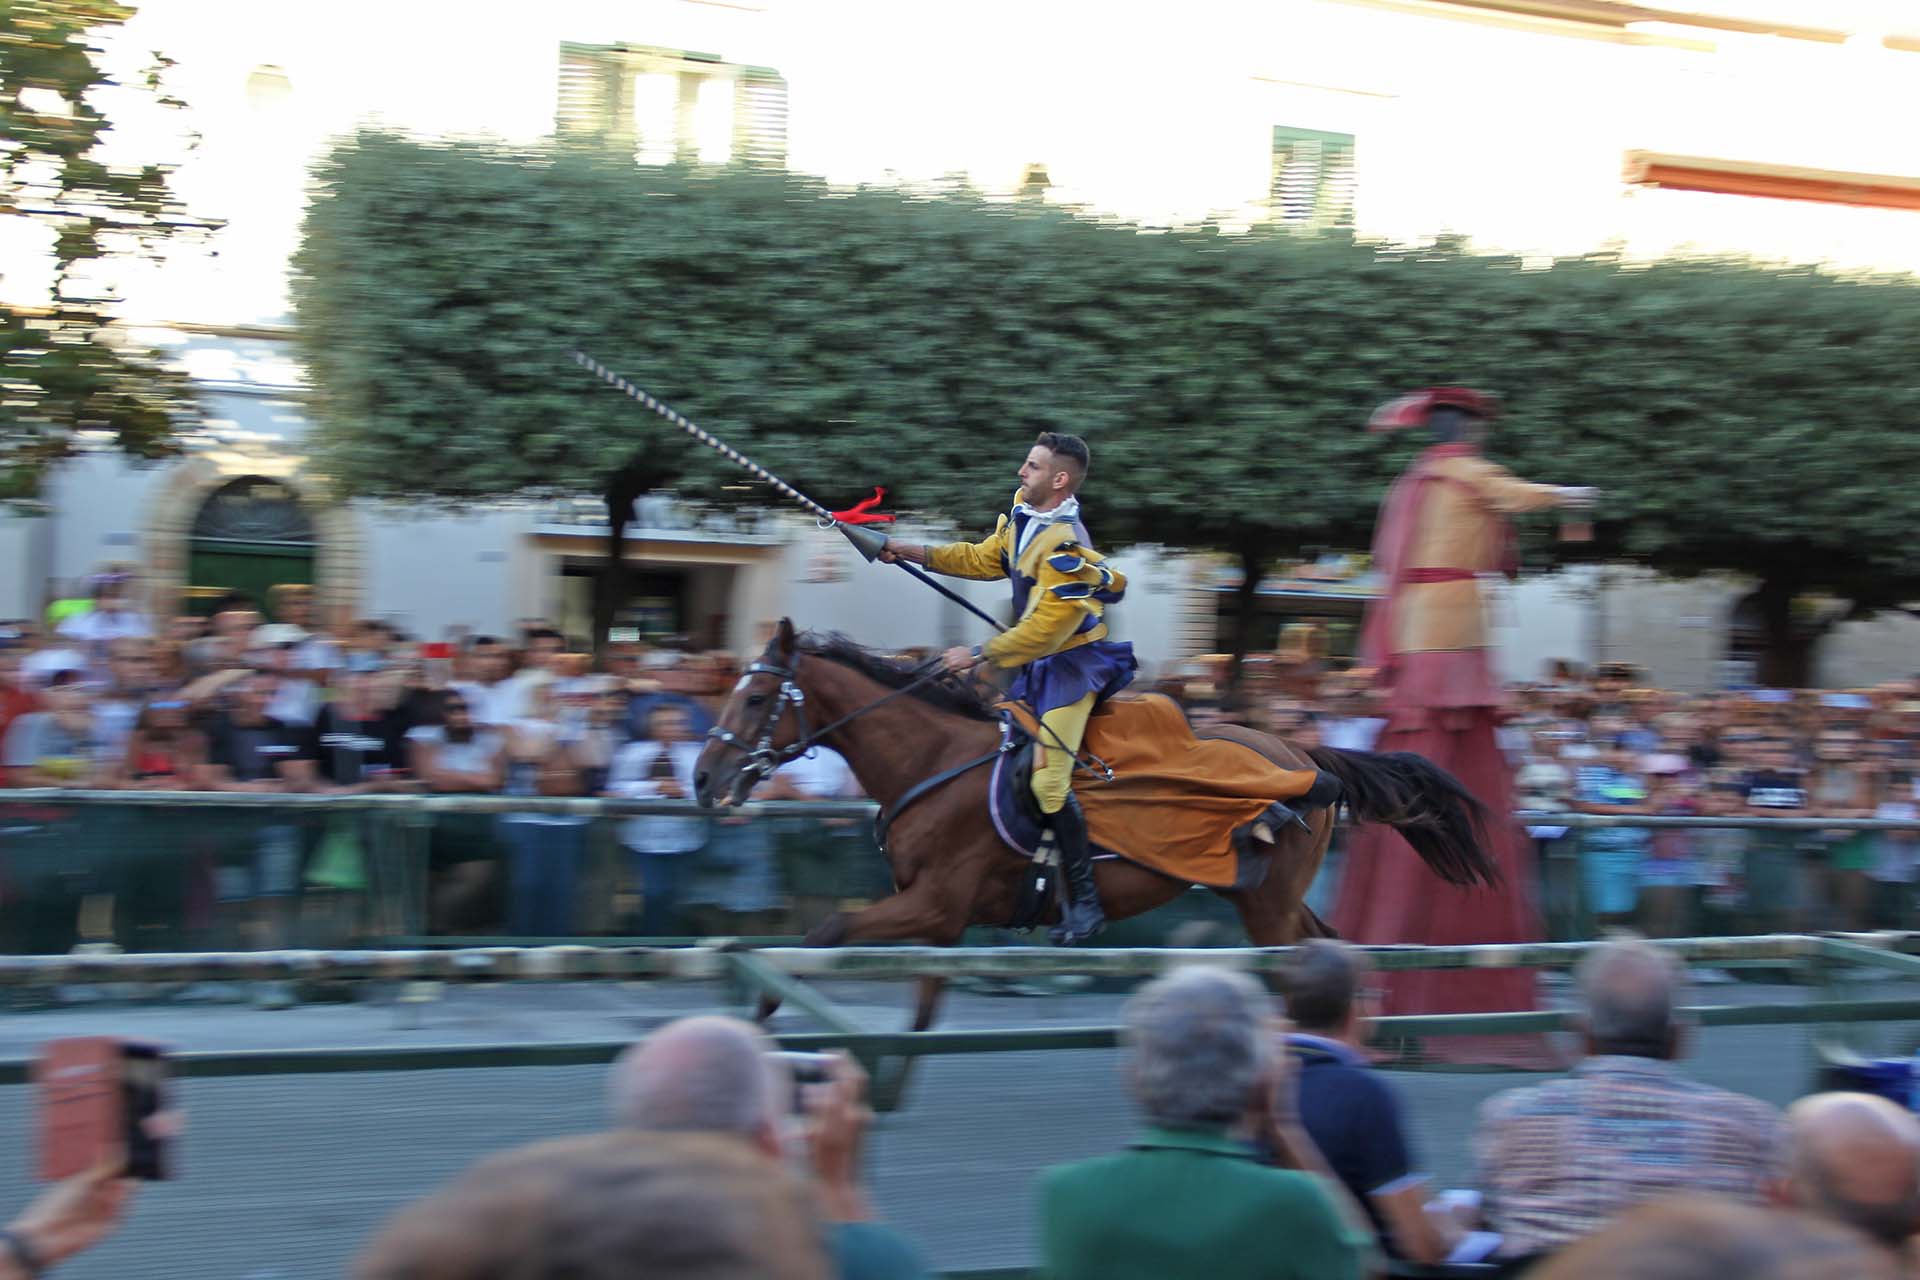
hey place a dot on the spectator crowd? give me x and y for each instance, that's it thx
(1604, 742)
(1270, 1149)
(102, 697)
(98, 695)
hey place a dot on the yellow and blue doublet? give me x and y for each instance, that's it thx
(1061, 590)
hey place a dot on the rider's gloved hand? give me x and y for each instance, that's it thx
(960, 658)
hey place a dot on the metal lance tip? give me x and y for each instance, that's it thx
(866, 539)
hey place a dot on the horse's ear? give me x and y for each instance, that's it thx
(783, 638)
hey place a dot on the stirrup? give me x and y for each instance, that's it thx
(1277, 814)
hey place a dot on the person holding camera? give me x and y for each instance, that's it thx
(69, 1217)
(718, 1075)
(660, 767)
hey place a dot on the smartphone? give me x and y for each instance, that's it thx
(623, 635)
(807, 1070)
(101, 1096)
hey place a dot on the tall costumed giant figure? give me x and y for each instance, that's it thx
(1444, 526)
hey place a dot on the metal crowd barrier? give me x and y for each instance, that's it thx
(606, 806)
(154, 871)
(787, 972)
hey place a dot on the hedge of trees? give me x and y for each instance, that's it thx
(1739, 417)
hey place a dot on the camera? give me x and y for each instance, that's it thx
(99, 1097)
(807, 1070)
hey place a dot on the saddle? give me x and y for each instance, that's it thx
(1185, 806)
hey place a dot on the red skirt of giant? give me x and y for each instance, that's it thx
(1446, 707)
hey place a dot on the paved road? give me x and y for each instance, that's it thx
(284, 1175)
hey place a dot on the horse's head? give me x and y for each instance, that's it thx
(765, 717)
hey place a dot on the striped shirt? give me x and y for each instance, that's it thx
(1558, 1161)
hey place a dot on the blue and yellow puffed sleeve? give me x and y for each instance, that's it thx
(1074, 572)
(1073, 585)
(984, 560)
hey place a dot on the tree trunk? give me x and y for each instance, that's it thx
(1787, 660)
(610, 587)
(1246, 613)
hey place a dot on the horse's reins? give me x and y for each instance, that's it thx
(763, 757)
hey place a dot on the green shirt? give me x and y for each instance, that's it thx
(1191, 1203)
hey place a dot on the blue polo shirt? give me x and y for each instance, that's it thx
(1354, 1118)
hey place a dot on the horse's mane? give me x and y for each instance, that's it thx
(948, 693)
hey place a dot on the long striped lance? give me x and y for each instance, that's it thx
(866, 541)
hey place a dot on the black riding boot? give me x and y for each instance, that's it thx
(1080, 914)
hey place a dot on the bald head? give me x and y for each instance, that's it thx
(700, 1075)
(1628, 987)
(1856, 1159)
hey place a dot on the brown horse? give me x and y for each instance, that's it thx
(899, 725)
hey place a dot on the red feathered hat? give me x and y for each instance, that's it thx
(1412, 410)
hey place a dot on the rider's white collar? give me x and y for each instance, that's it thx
(1038, 520)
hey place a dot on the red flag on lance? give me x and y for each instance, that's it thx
(862, 512)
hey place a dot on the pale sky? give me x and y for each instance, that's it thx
(1149, 111)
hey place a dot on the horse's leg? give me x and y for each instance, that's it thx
(916, 912)
(920, 912)
(926, 1004)
(1275, 913)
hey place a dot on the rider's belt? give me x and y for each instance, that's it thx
(1420, 577)
(1097, 632)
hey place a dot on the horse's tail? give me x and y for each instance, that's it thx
(1423, 802)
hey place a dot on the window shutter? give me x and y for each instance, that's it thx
(760, 119)
(597, 102)
(1313, 178)
(594, 102)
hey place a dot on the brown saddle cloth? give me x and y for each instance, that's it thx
(1175, 800)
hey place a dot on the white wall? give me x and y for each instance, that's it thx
(430, 572)
(1856, 654)
(101, 500)
(24, 541)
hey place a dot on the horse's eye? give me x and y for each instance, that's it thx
(755, 699)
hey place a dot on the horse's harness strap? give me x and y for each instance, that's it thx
(884, 819)
(763, 757)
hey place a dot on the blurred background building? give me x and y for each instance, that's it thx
(1535, 127)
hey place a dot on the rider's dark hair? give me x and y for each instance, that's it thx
(1066, 448)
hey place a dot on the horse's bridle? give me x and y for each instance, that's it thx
(763, 757)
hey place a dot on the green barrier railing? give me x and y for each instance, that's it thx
(172, 871)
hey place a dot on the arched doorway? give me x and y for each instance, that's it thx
(249, 536)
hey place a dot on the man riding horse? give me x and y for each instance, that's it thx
(1063, 663)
